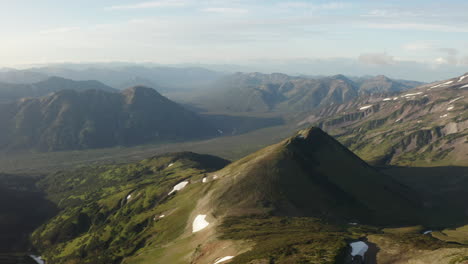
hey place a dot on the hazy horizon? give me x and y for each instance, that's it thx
(420, 40)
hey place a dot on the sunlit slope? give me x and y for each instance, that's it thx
(427, 125)
(177, 208)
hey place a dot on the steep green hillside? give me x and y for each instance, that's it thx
(288, 203)
(300, 177)
(110, 212)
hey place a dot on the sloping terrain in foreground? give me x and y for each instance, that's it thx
(302, 200)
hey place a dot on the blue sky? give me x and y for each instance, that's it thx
(377, 32)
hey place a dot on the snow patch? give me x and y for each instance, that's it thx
(461, 78)
(412, 94)
(427, 232)
(387, 99)
(395, 98)
(129, 197)
(178, 187)
(442, 84)
(170, 165)
(220, 131)
(215, 177)
(352, 223)
(398, 120)
(365, 107)
(199, 223)
(158, 217)
(204, 180)
(224, 259)
(464, 86)
(456, 99)
(38, 259)
(442, 116)
(359, 248)
(450, 108)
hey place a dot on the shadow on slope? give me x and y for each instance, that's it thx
(443, 190)
(23, 209)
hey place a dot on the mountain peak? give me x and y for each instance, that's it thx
(382, 78)
(340, 77)
(310, 174)
(140, 89)
(140, 93)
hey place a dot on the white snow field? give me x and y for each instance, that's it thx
(199, 223)
(365, 107)
(178, 187)
(224, 259)
(359, 249)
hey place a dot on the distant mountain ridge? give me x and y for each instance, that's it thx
(426, 125)
(163, 78)
(384, 85)
(11, 91)
(257, 92)
(70, 119)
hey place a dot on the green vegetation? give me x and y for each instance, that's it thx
(287, 203)
(457, 235)
(286, 239)
(116, 209)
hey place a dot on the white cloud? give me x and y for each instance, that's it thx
(151, 4)
(418, 26)
(58, 30)
(308, 5)
(451, 56)
(376, 59)
(225, 10)
(384, 13)
(418, 46)
(440, 61)
(464, 61)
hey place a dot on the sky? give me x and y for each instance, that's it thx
(376, 35)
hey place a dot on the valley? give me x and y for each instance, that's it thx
(234, 132)
(265, 187)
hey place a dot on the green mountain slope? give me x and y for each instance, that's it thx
(300, 177)
(288, 203)
(110, 212)
(90, 119)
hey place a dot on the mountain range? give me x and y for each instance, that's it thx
(304, 199)
(15, 91)
(426, 125)
(71, 119)
(257, 92)
(162, 78)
